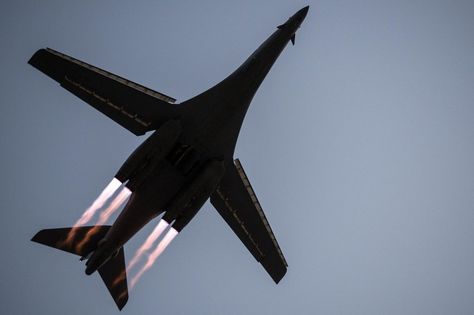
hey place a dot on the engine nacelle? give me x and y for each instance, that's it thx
(189, 200)
(150, 153)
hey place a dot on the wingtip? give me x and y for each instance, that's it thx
(279, 275)
(36, 56)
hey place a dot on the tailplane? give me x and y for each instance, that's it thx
(82, 241)
(72, 239)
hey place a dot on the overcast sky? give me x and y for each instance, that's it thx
(359, 145)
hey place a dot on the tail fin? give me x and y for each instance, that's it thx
(113, 272)
(58, 238)
(114, 275)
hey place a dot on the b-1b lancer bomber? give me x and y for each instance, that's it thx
(187, 159)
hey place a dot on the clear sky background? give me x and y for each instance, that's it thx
(359, 145)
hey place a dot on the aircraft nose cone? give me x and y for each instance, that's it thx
(298, 17)
(301, 14)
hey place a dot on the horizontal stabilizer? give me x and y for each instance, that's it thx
(58, 238)
(114, 275)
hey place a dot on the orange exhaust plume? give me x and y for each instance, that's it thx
(119, 278)
(162, 225)
(122, 295)
(155, 254)
(91, 211)
(105, 215)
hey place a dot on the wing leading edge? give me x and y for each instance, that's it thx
(238, 205)
(132, 105)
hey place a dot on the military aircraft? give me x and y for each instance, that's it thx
(184, 162)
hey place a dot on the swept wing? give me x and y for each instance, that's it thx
(237, 203)
(133, 106)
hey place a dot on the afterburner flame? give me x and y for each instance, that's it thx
(162, 225)
(122, 295)
(105, 215)
(155, 254)
(96, 205)
(119, 278)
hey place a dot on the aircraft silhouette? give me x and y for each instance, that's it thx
(184, 162)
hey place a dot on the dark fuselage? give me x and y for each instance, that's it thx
(209, 126)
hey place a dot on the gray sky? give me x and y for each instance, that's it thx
(359, 145)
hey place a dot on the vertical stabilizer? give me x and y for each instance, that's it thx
(113, 272)
(114, 275)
